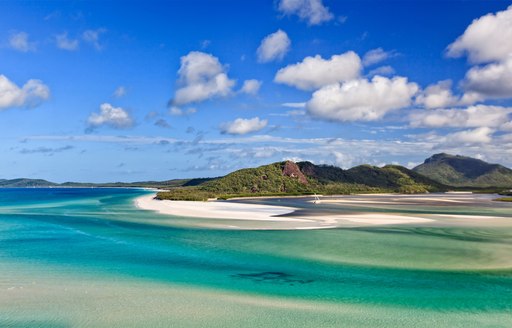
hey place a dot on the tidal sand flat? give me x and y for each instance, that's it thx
(331, 211)
(215, 209)
(91, 258)
(259, 215)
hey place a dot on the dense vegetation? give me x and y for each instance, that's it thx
(463, 171)
(305, 178)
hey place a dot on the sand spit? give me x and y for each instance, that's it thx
(266, 216)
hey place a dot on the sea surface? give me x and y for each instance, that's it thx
(90, 258)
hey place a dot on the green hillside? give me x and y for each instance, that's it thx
(461, 171)
(394, 177)
(289, 178)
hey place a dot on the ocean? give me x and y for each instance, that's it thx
(89, 258)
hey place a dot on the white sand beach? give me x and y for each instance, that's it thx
(216, 209)
(259, 216)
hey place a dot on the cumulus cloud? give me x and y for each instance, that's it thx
(273, 47)
(361, 100)
(243, 126)
(490, 81)
(201, 77)
(481, 135)
(377, 55)
(115, 117)
(65, 43)
(437, 95)
(471, 117)
(20, 41)
(486, 39)
(312, 11)
(315, 72)
(93, 37)
(30, 95)
(251, 87)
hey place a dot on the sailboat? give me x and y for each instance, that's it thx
(317, 199)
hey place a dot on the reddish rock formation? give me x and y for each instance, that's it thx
(292, 170)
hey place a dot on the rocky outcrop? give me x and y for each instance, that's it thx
(292, 170)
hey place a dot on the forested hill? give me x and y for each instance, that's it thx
(456, 170)
(289, 178)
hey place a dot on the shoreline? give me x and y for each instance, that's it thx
(214, 209)
(266, 217)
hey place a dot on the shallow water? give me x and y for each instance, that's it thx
(89, 258)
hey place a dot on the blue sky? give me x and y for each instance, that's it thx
(128, 90)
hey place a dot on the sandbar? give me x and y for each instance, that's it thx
(261, 216)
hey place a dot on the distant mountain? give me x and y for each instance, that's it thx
(461, 171)
(307, 178)
(39, 183)
(25, 183)
(394, 177)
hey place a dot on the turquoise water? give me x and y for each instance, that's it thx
(89, 258)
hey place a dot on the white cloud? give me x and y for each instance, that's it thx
(474, 116)
(31, 94)
(437, 95)
(343, 160)
(201, 77)
(93, 37)
(120, 92)
(489, 82)
(413, 148)
(65, 43)
(362, 100)
(177, 111)
(251, 87)
(109, 115)
(315, 72)
(481, 135)
(486, 39)
(273, 47)
(377, 55)
(312, 11)
(19, 41)
(382, 70)
(243, 126)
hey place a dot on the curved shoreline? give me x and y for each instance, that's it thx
(267, 217)
(215, 209)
